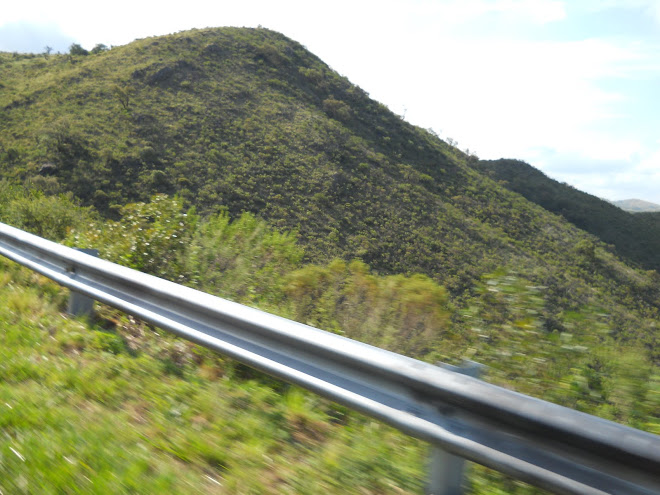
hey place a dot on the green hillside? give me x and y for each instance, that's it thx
(248, 120)
(635, 237)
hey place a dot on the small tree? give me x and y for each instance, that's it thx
(100, 47)
(76, 49)
(123, 95)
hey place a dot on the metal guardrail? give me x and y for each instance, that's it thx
(547, 445)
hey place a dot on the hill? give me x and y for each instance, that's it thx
(247, 120)
(636, 205)
(250, 121)
(634, 237)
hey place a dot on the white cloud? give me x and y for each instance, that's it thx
(539, 11)
(650, 7)
(124, 20)
(636, 176)
(650, 164)
(505, 94)
(460, 11)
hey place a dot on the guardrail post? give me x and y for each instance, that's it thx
(80, 304)
(446, 470)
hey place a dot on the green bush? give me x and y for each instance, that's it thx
(245, 260)
(150, 237)
(404, 314)
(51, 217)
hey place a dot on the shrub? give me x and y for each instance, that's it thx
(76, 49)
(150, 237)
(51, 217)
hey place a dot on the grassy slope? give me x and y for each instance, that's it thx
(126, 408)
(116, 407)
(121, 409)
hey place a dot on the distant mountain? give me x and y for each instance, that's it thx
(636, 237)
(636, 205)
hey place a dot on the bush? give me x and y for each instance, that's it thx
(150, 237)
(245, 260)
(51, 217)
(76, 49)
(337, 109)
(402, 314)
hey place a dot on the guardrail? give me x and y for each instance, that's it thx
(544, 444)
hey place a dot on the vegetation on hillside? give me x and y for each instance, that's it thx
(635, 236)
(250, 121)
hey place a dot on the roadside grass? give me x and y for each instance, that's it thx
(113, 406)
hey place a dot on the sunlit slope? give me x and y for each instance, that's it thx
(249, 120)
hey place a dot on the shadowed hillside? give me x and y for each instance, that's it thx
(635, 237)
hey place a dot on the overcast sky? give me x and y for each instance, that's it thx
(572, 87)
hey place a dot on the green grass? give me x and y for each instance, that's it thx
(115, 406)
(85, 409)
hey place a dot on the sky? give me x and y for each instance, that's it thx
(571, 87)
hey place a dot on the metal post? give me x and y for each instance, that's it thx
(446, 470)
(80, 304)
